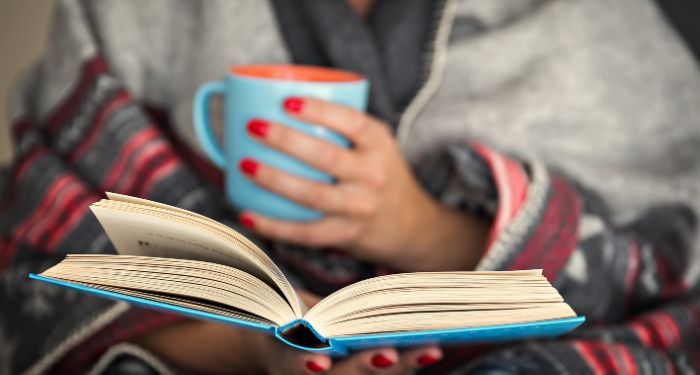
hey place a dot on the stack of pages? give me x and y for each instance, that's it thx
(176, 260)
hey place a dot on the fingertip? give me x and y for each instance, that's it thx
(258, 127)
(434, 350)
(249, 166)
(426, 360)
(293, 104)
(247, 220)
(429, 356)
(317, 364)
(384, 359)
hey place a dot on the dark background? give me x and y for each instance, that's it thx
(685, 15)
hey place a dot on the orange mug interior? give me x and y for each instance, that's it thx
(304, 73)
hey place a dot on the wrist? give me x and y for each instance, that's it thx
(444, 239)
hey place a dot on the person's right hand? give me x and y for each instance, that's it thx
(277, 358)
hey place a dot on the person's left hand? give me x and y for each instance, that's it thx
(376, 210)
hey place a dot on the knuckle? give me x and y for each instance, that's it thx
(358, 123)
(274, 230)
(351, 232)
(366, 208)
(383, 132)
(321, 197)
(321, 110)
(294, 144)
(385, 141)
(309, 195)
(303, 235)
(328, 156)
(377, 179)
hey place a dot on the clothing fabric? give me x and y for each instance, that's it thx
(389, 48)
(106, 109)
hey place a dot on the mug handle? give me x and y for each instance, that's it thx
(202, 125)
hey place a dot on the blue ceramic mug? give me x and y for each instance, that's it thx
(258, 91)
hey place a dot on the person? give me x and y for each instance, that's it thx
(558, 135)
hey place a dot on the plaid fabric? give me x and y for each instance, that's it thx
(131, 324)
(97, 140)
(628, 280)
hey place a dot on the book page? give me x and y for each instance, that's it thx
(159, 230)
(139, 234)
(437, 301)
(188, 281)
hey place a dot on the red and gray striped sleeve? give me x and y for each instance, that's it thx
(98, 138)
(630, 281)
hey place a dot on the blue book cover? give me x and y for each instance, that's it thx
(340, 346)
(178, 261)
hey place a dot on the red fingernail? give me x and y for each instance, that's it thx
(246, 221)
(314, 367)
(294, 105)
(381, 361)
(427, 360)
(258, 127)
(249, 166)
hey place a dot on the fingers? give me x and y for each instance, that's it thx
(314, 364)
(325, 156)
(421, 357)
(316, 195)
(378, 361)
(278, 359)
(293, 361)
(362, 130)
(386, 361)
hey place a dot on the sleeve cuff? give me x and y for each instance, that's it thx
(133, 323)
(536, 220)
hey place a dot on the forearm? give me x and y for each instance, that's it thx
(542, 220)
(205, 347)
(445, 240)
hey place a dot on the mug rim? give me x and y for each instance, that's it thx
(295, 73)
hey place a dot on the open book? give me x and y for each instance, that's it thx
(176, 260)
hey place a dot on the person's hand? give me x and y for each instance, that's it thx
(376, 210)
(204, 346)
(278, 358)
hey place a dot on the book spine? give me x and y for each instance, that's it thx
(300, 334)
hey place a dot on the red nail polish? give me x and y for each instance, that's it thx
(258, 127)
(427, 360)
(294, 104)
(314, 367)
(249, 166)
(246, 221)
(381, 361)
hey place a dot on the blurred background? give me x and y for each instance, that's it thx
(23, 26)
